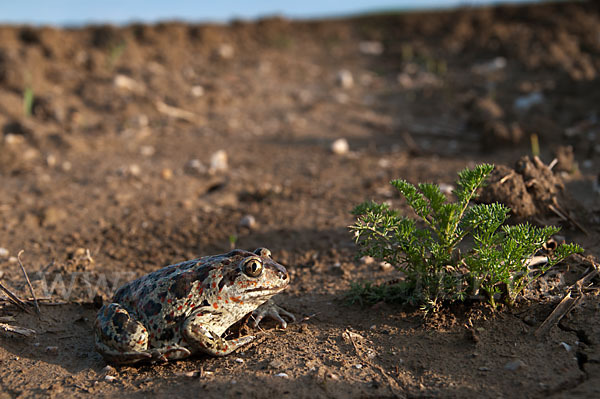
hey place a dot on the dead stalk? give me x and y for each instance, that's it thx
(14, 299)
(507, 177)
(37, 307)
(567, 303)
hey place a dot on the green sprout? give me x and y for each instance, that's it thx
(115, 52)
(496, 266)
(232, 240)
(28, 99)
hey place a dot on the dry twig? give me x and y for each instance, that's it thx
(14, 299)
(507, 177)
(567, 303)
(175, 112)
(37, 307)
(555, 207)
(10, 331)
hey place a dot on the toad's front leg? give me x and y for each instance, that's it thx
(197, 332)
(272, 310)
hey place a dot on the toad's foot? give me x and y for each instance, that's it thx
(116, 357)
(273, 311)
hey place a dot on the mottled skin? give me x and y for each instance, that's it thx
(185, 308)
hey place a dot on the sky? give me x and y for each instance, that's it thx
(79, 12)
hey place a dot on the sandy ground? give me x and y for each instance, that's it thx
(114, 173)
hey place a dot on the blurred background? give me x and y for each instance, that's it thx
(74, 13)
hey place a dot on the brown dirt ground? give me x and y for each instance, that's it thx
(100, 165)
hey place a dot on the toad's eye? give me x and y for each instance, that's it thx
(253, 267)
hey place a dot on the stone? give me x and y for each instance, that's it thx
(370, 47)
(345, 79)
(515, 365)
(218, 162)
(340, 146)
(248, 221)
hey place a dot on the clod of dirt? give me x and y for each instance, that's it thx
(565, 158)
(485, 109)
(488, 118)
(531, 190)
(53, 216)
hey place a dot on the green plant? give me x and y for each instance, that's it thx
(114, 54)
(28, 99)
(232, 240)
(496, 265)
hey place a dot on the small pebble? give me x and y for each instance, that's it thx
(446, 188)
(51, 160)
(345, 79)
(358, 366)
(53, 350)
(566, 346)
(276, 364)
(66, 166)
(370, 47)
(524, 103)
(166, 174)
(13, 259)
(3, 252)
(483, 369)
(108, 369)
(367, 260)
(340, 146)
(197, 91)
(79, 253)
(341, 98)
(109, 378)
(218, 162)
(147, 150)
(239, 360)
(225, 51)
(514, 365)
(127, 83)
(282, 375)
(490, 66)
(13, 139)
(385, 266)
(248, 221)
(142, 120)
(384, 163)
(195, 166)
(133, 170)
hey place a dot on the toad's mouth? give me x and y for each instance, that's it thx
(267, 290)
